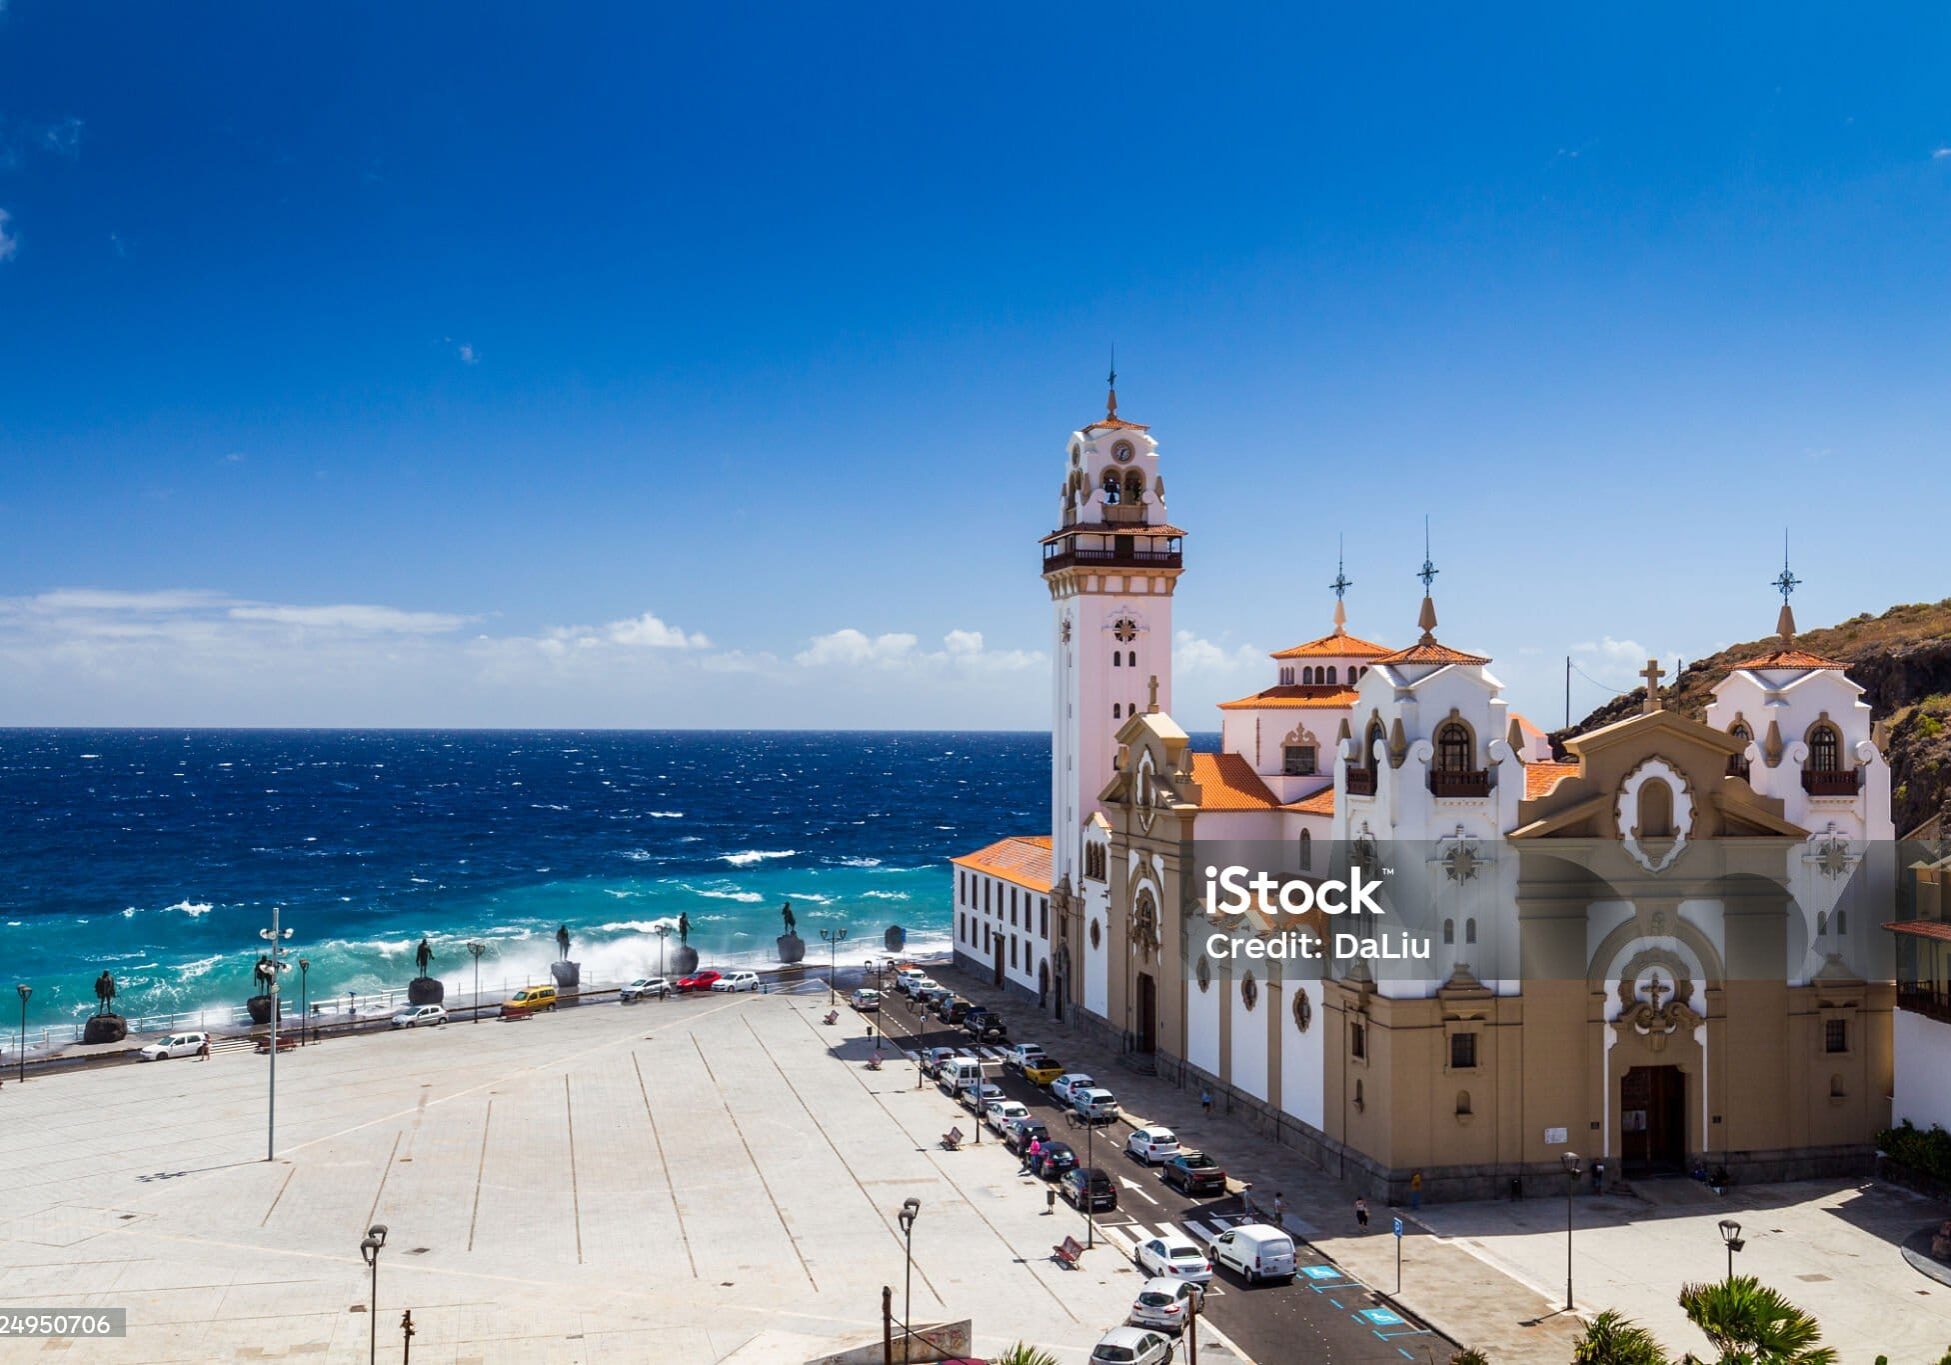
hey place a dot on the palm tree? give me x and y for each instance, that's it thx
(1615, 1339)
(1020, 1354)
(1749, 1322)
(1470, 1355)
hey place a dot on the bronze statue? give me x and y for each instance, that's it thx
(423, 955)
(105, 992)
(264, 974)
(786, 913)
(562, 941)
(683, 927)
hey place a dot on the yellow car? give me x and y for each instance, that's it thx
(529, 999)
(1043, 1070)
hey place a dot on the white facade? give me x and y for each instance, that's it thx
(1003, 926)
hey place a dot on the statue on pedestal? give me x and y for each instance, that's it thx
(685, 960)
(567, 974)
(791, 947)
(105, 1026)
(263, 976)
(423, 989)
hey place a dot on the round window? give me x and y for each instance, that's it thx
(1303, 1009)
(1249, 991)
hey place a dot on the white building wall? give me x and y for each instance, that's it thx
(1303, 1068)
(1202, 1023)
(1249, 1041)
(1923, 1062)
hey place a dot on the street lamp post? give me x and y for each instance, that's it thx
(477, 949)
(370, 1248)
(276, 937)
(1077, 1120)
(304, 1000)
(833, 939)
(406, 1337)
(910, 1210)
(25, 991)
(1572, 1168)
(663, 934)
(1731, 1235)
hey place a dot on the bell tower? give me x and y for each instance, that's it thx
(1111, 566)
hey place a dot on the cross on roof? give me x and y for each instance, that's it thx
(1153, 704)
(1342, 582)
(1787, 582)
(1429, 571)
(1652, 673)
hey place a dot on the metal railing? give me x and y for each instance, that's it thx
(1361, 781)
(1926, 998)
(1844, 783)
(1466, 783)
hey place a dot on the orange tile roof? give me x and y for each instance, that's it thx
(1316, 695)
(1789, 657)
(1429, 652)
(1105, 528)
(1021, 858)
(1339, 645)
(1321, 803)
(1228, 782)
(1921, 928)
(1540, 778)
(1117, 423)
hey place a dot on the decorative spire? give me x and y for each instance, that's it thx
(1340, 587)
(1786, 584)
(1111, 400)
(1426, 619)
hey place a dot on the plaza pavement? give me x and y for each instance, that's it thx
(1832, 1248)
(692, 1180)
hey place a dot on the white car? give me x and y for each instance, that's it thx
(1258, 1251)
(866, 1001)
(1165, 1302)
(413, 1016)
(1094, 1104)
(1131, 1346)
(999, 1114)
(1177, 1256)
(737, 981)
(1067, 1085)
(906, 979)
(1021, 1054)
(176, 1045)
(1152, 1145)
(643, 988)
(922, 986)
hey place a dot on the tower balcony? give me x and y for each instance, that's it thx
(1846, 782)
(1361, 781)
(1135, 552)
(1462, 782)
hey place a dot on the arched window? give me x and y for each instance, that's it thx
(1740, 733)
(1134, 486)
(1842, 921)
(1375, 736)
(1825, 750)
(1822, 923)
(1117, 710)
(1449, 931)
(1307, 677)
(1331, 673)
(1286, 677)
(1358, 1094)
(1453, 748)
(1655, 809)
(1463, 1103)
(1113, 488)
(1470, 931)
(1307, 850)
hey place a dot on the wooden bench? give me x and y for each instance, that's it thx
(832, 1017)
(1067, 1252)
(952, 1139)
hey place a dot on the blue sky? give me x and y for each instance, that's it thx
(638, 365)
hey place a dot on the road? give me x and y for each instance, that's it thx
(1324, 1316)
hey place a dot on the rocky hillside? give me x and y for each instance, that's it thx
(1902, 658)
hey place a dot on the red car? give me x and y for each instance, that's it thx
(697, 981)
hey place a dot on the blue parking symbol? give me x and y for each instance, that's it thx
(1380, 1317)
(1321, 1272)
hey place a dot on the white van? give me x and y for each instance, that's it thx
(959, 1074)
(1258, 1251)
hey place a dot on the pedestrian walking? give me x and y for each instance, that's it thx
(203, 1049)
(1032, 1152)
(1598, 1177)
(1416, 1189)
(1206, 1102)
(1361, 1214)
(1280, 1210)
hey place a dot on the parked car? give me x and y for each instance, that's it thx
(697, 981)
(737, 981)
(1152, 1145)
(979, 1096)
(999, 1113)
(985, 1027)
(920, 987)
(416, 1016)
(1165, 1301)
(644, 988)
(1095, 1104)
(952, 1009)
(1258, 1251)
(1064, 1088)
(1052, 1160)
(1088, 1186)
(1176, 1256)
(1195, 1173)
(866, 1001)
(933, 1058)
(1021, 1055)
(1042, 1070)
(528, 1000)
(176, 1045)
(1021, 1133)
(957, 1074)
(907, 979)
(1131, 1346)
(927, 996)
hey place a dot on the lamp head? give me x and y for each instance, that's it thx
(304, 964)
(369, 1249)
(1572, 1164)
(1730, 1231)
(910, 1210)
(25, 991)
(378, 1232)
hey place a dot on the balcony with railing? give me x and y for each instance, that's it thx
(1836, 782)
(1927, 998)
(1361, 781)
(1737, 766)
(1061, 555)
(1459, 782)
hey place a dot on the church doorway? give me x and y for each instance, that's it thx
(1144, 1036)
(1653, 1120)
(999, 961)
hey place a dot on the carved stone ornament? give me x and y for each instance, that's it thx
(1646, 1010)
(1303, 1009)
(1203, 973)
(1249, 992)
(1143, 926)
(1830, 854)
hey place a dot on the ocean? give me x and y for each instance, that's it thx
(159, 854)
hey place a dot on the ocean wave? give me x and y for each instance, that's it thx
(194, 909)
(811, 898)
(638, 926)
(880, 870)
(663, 815)
(753, 855)
(886, 895)
(545, 805)
(130, 912)
(743, 897)
(850, 861)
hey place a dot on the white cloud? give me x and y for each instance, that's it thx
(1193, 656)
(963, 652)
(853, 649)
(353, 617)
(9, 243)
(110, 599)
(1941, 154)
(637, 632)
(468, 357)
(1613, 651)
(63, 138)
